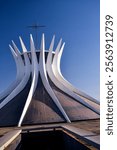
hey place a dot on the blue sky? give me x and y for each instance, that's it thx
(76, 21)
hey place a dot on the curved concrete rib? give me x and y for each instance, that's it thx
(51, 70)
(18, 74)
(23, 82)
(21, 63)
(45, 79)
(34, 80)
(58, 74)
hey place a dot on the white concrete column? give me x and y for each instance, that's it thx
(45, 81)
(34, 80)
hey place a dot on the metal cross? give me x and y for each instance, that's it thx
(36, 27)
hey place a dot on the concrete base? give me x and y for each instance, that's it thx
(10, 140)
(84, 132)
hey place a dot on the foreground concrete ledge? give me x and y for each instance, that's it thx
(8, 138)
(13, 137)
(87, 136)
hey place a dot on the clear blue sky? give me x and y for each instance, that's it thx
(76, 21)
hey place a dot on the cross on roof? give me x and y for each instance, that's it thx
(36, 27)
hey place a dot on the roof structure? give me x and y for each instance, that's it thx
(40, 94)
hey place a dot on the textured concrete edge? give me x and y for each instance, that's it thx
(13, 138)
(82, 134)
(8, 138)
